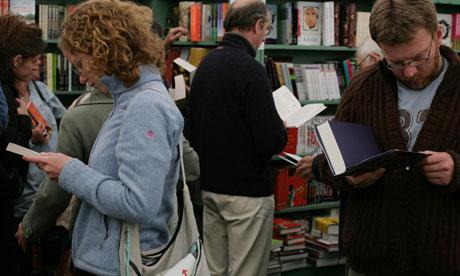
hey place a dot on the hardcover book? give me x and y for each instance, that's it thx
(351, 149)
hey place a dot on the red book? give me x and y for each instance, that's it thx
(283, 226)
(290, 189)
(195, 22)
(36, 116)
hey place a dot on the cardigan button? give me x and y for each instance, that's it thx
(408, 168)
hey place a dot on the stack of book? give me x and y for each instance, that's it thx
(293, 254)
(322, 243)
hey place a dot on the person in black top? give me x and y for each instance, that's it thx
(235, 130)
(19, 43)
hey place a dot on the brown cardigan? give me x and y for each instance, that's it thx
(402, 225)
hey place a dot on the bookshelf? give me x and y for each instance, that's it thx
(310, 207)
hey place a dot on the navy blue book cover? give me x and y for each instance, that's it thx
(360, 152)
(356, 142)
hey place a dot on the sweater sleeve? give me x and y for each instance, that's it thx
(344, 113)
(146, 148)
(51, 200)
(263, 120)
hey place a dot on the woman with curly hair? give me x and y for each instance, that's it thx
(134, 164)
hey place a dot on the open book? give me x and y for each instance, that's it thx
(183, 74)
(292, 159)
(290, 109)
(351, 149)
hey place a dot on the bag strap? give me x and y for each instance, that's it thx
(181, 209)
(39, 92)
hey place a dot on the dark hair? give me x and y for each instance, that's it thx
(17, 38)
(246, 16)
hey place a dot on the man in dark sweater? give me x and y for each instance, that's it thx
(235, 130)
(404, 221)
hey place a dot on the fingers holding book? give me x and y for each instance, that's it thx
(366, 179)
(50, 162)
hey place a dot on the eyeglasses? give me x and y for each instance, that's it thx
(398, 67)
(77, 67)
(269, 30)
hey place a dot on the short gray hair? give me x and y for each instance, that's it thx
(245, 17)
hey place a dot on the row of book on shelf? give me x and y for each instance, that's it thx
(56, 71)
(300, 22)
(311, 240)
(320, 81)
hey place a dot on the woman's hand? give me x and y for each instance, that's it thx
(50, 162)
(39, 134)
(22, 108)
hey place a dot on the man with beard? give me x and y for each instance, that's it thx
(404, 221)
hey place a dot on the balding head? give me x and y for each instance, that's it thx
(244, 14)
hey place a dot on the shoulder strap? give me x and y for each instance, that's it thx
(39, 92)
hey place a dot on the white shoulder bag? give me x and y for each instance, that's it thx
(182, 256)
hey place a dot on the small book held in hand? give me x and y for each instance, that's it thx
(36, 116)
(351, 149)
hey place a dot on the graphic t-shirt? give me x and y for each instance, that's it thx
(414, 106)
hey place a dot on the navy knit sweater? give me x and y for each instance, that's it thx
(235, 128)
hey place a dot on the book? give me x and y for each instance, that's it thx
(309, 23)
(290, 109)
(36, 116)
(328, 225)
(290, 189)
(292, 159)
(283, 226)
(14, 148)
(25, 8)
(445, 21)
(351, 149)
(181, 66)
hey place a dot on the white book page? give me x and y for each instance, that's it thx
(179, 90)
(14, 148)
(304, 114)
(331, 149)
(184, 64)
(285, 102)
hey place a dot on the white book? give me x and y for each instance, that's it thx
(445, 21)
(189, 68)
(328, 24)
(178, 92)
(15, 148)
(290, 109)
(310, 17)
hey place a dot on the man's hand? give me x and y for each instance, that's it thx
(175, 33)
(438, 167)
(366, 179)
(304, 167)
(50, 162)
(21, 237)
